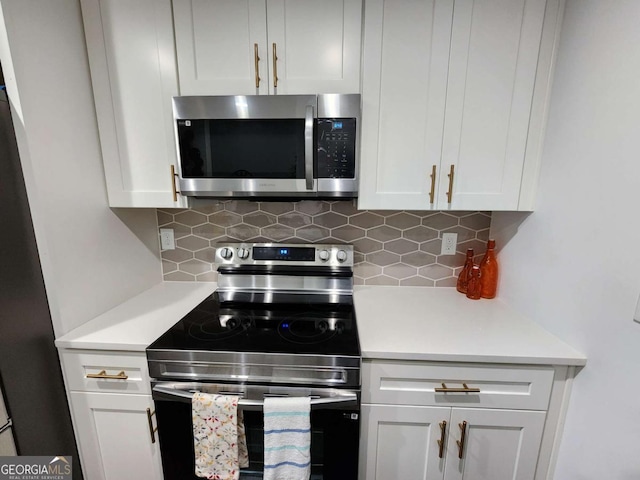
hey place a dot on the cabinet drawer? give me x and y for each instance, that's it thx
(83, 371)
(415, 383)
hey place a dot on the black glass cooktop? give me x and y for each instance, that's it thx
(307, 328)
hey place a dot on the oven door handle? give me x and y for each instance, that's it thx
(185, 396)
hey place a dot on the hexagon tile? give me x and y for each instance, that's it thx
(392, 247)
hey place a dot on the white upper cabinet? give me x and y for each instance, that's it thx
(405, 62)
(219, 45)
(231, 47)
(454, 94)
(132, 58)
(494, 56)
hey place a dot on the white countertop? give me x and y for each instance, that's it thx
(440, 324)
(402, 323)
(136, 323)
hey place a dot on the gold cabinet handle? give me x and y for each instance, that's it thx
(102, 374)
(464, 389)
(450, 192)
(275, 66)
(463, 437)
(152, 430)
(443, 430)
(432, 192)
(256, 59)
(173, 183)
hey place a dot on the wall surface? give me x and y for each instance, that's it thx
(391, 247)
(573, 265)
(92, 257)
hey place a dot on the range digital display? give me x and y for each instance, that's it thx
(294, 254)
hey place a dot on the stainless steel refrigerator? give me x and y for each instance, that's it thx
(29, 365)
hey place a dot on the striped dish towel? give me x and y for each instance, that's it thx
(287, 438)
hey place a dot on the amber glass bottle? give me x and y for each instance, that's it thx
(463, 278)
(473, 286)
(489, 272)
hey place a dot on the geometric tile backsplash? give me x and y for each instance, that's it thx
(391, 247)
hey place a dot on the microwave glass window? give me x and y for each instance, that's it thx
(242, 148)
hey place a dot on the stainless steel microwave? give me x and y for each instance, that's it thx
(268, 146)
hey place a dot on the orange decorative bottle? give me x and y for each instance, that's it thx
(473, 286)
(463, 278)
(489, 272)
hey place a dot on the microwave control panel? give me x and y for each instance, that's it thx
(336, 142)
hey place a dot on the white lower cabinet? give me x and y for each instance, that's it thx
(115, 437)
(404, 442)
(430, 421)
(498, 444)
(113, 414)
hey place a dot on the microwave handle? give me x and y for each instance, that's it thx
(308, 147)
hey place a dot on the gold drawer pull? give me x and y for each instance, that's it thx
(463, 437)
(102, 374)
(464, 389)
(432, 192)
(443, 432)
(450, 192)
(152, 431)
(173, 183)
(256, 59)
(275, 66)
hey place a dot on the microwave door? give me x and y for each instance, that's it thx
(269, 151)
(248, 157)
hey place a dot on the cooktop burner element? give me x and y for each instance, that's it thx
(283, 308)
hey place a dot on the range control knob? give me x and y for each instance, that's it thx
(226, 253)
(341, 256)
(324, 255)
(243, 253)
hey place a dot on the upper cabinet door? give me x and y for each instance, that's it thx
(495, 46)
(134, 75)
(405, 64)
(221, 46)
(314, 46)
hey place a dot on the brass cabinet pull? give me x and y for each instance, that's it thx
(152, 430)
(463, 437)
(173, 183)
(450, 192)
(464, 389)
(443, 430)
(256, 59)
(102, 374)
(432, 192)
(275, 66)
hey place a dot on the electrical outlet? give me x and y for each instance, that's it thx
(167, 239)
(449, 242)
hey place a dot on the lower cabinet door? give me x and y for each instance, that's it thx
(401, 442)
(497, 444)
(114, 436)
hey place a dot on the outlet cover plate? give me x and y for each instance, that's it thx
(449, 243)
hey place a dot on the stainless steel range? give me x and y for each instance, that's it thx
(281, 323)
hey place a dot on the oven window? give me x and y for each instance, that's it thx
(242, 148)
(334, 443)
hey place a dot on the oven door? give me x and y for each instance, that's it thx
(335, 427)
(246, 145)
